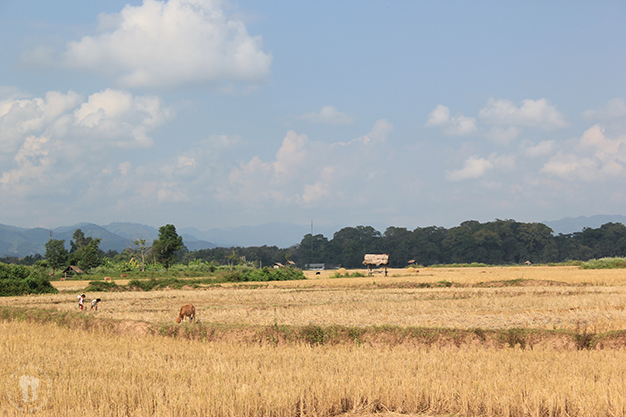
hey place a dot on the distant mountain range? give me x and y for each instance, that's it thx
(16, 241)
(20, 242)
(572, 225)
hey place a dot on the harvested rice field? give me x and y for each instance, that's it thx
(518, 341)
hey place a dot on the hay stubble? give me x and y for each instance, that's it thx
(109, 374)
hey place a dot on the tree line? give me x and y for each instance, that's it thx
(500, 242)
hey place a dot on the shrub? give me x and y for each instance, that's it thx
(472, 265)
(348, 275)
(605, 263)
(18, 280)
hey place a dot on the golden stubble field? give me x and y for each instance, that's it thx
(105, 374)
(592, 300)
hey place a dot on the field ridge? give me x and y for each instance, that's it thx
(376, 336)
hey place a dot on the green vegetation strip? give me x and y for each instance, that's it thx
(251, 275)
(315, 335)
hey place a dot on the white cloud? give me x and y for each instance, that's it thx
(120, 118)
(290, 156)
(169, 192)
(503, 162)
(535, 113)
(186, 161)
(306, 172)
(320, 189)
(543, 148)
(570, 166)
(593, 157)
(50, 143)
(168, 43)
(503, 136)
(473, 168)
(125, 167)
(452, 125)
(329, 115)
(379, 133)
(22, 117)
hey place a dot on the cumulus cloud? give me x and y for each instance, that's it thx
(535, 113)
(22, 117)
(473, 168)
(121, 118)
(167, 43)
(306, 172)
(329, 115)
(452, 125)
(45, 141)
(593, 157)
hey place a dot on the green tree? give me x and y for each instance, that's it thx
(166, 246)
(80, 241)
(352, 243)
(312, 249)
(397, 243)
(56, 254)
(87, 257)
(143, 251)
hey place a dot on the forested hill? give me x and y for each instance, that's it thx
(499, 242)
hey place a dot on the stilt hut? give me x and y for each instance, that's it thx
(376, 260)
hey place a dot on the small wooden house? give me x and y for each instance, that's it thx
(72, 269)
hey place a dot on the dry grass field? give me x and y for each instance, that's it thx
(91, 373)
(96, 372)
(592, 300)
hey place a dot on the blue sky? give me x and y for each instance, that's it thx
(207, 114)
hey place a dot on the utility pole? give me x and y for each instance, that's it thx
(311, 261)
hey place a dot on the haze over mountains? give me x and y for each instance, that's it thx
(16, 241)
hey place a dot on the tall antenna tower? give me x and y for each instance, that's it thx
(311, 261)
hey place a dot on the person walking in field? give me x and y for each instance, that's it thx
(81, 301)
(94, 304)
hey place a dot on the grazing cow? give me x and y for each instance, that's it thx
(107, 279)
(186, 311)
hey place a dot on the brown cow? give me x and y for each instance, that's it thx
(186, 311)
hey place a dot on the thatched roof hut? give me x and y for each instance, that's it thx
(377, 260)
(73, 269)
